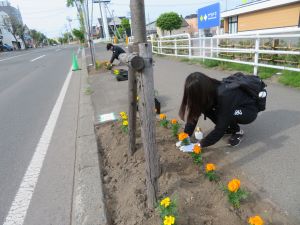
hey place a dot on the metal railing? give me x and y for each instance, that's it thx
(258, 50)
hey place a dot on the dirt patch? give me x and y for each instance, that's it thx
(199, 201)
(93, 71)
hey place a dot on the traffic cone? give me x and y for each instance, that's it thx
(75, 63)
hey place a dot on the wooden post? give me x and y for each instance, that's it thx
(146, 94)
(132, 99)
(147, 114)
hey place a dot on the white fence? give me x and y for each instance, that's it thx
(280, 51)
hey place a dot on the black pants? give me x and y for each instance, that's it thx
(241, 115)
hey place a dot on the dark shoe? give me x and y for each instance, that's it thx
(236, 138)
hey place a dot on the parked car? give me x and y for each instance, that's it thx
(7, 47)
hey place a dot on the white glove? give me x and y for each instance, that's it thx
(187, 148)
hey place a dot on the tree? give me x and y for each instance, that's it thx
(169, 21)
(12, 24)
(21, 29)
(78, 34)
(126, 25)
(71, 3)
(52, 41)
(37, 37)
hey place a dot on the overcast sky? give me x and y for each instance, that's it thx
(49, 16)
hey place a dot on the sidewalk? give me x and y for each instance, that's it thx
(268, 156)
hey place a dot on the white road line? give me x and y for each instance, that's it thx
(1, 60)
(42, 56)
(78, 51)
(19, 207)
(57, 50)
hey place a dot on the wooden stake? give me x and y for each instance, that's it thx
(146, 105)
(132, 99)
(147, 114)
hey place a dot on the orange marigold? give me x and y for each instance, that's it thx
(256, 220)
(173, 121)
(197, 149)
(210, 167)
(182, 136)
(234, 185)
(162, 116)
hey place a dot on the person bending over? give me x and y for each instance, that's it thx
(226, 108)
(116, 51)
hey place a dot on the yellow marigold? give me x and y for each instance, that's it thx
(256, 220)
(125, 123)
(210, 167)
(122, 114)
(124, 117)
(162, 116)
(182, 136)
(173, 121)
(197, 149)
(234, 185)
(169, 220)
(165, 202)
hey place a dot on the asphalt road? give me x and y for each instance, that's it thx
(269, 155)
(30, 82)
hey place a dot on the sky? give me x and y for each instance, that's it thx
(50, 16)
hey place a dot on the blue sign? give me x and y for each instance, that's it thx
(209, 16)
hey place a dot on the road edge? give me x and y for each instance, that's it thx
(88, 198)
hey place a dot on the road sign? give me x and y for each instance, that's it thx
(209, 16)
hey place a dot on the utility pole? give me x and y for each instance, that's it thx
(90, 41)
(67, 32)
(104, 20)
(146, 106)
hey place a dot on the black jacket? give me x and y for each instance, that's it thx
(227, 101)
(116, 52)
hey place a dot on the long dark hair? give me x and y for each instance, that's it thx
(199, 95)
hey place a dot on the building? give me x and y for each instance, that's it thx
(11, 11)
(264, 16)
(151, 28)
(7, 37)
(192, 21)
(113, 24)
(183, 29)
(7, 12)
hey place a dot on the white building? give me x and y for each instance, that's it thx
(6, 10)
(7, 37)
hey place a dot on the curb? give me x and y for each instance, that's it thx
(88, 199)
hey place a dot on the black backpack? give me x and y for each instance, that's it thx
(251, 84)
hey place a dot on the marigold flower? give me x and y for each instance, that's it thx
(124, 117)
(125, 123)
(210, 167)
(197, 149)
(256, 220)
(162, 116)
(234, 185)
(182, 136)
(165, 202)
(169, 220)
(122, 114)
(173, 121)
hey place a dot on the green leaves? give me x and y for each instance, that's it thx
(169, 21)
(212, 176)
(78, 34)
(235, 197)
(197, 158)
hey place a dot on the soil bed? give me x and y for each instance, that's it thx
(199, 201)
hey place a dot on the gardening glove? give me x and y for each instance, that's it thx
(187, 148)
(178, 144)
